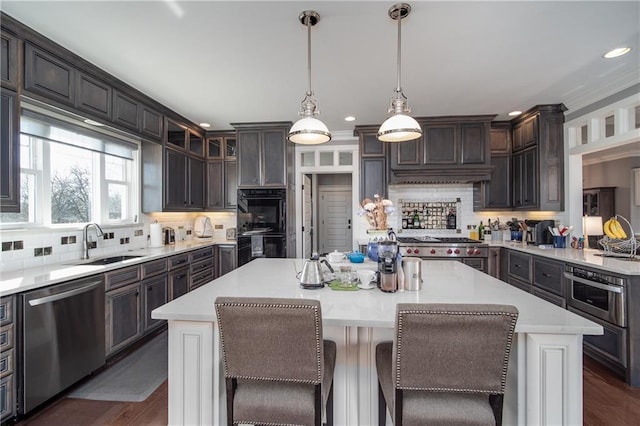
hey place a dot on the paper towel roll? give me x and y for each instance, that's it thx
(155, 233)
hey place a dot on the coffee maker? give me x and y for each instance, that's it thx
(387, 266)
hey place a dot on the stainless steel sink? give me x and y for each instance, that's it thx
(108, 260)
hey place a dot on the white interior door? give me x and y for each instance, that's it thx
(307, 216)
(334, 218)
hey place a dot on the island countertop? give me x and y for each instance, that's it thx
(444, 282)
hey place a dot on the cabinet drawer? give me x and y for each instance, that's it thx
(155, 267)
(520, 265)
(549, 276)
(178, 261)
(121, 277)
(520, 284)
(200, 278)
(201, 265)
(6, 363)
(549, 297)
(6, 310)
(201, 254)
(6, 337)
(7, 398)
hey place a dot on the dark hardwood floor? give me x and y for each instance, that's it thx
(607, 401)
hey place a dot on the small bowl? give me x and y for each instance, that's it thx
(356, 257)
(335, 257)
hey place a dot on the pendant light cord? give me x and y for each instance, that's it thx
(308, 24)
(399, 88)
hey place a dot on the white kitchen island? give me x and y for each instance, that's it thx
(545, 370)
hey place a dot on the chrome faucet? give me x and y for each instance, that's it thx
(85, 239)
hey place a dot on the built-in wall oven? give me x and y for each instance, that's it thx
(601, 297)
(261, 223)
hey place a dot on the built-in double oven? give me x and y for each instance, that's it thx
(602, 298)
(261, 223)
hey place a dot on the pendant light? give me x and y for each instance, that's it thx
(309, 130)
(399, 127)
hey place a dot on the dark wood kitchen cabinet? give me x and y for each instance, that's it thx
(183, 182)
(123, 317)
(93, 96)
(538, 159)
(373, 162)
(48, 76)
(263, 154)
(599, 202)
(154, 295)
(9, 152)
(227, 259)
(8, 383)
(222, 179)
(454, 148)
(495, 194)
(9, 64)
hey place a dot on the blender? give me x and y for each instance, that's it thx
(387, 266)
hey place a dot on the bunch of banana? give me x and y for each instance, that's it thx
(614, 230)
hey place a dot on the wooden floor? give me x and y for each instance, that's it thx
(607, 401)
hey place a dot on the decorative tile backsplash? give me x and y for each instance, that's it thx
(427, 214)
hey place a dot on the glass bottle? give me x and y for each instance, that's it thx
(416, 220)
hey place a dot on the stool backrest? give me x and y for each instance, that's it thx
(453, 347)
(271, 338)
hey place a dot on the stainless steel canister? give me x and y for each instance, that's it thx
(412, 268)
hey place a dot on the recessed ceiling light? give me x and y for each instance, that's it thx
(619, 51)
(349, 118)
(93, 123)
(514, 113)
(205, 125)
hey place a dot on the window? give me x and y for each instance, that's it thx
(70, 174)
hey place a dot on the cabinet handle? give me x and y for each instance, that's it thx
(179, 277)
(517, 266)
(179, 262)
(137, 293)
(546, 275)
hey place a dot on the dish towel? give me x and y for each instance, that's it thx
(257, 245)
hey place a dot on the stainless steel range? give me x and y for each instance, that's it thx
(466, 250)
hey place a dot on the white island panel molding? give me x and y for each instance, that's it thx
(544, 383)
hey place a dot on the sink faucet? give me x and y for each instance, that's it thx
(85, 238)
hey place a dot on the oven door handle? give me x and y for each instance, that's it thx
(614, 289)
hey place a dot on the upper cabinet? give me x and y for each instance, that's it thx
(222, 179)
(48, 76)
(9, 61)
(538, 159)
(263, 154)
(9, 152)
(373, 161)
(495, 194)
(451, 149)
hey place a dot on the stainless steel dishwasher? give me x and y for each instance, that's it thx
(63, 338)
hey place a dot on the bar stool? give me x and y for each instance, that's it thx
(446, 365)
(277, 367)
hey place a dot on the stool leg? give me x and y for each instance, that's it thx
(329, 407)
(382, 407)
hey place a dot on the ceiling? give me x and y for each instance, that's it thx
(223, 62)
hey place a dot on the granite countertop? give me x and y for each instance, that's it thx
(17, 281)
(588, 257)
(444, 282)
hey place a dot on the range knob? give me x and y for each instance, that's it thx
(416, 251)
(408, 251)
(433, 251)
(457, 251)
(478, 251)
(470, 251)
(449, 251)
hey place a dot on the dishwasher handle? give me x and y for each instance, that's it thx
(65, 294)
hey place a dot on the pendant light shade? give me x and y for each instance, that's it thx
(309, 130)
(399, 127)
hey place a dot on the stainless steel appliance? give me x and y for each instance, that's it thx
(471, 252)
(388, 265)
(63, 338)
(169, 235)
(538, 232)
(601, 297)
(261, 224)
(311, 276)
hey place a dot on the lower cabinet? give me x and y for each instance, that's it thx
(201, 267)
(178, 282)
(154, 294)
(123, 317)
(539, 275)
(227, 259)
(7, 359)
